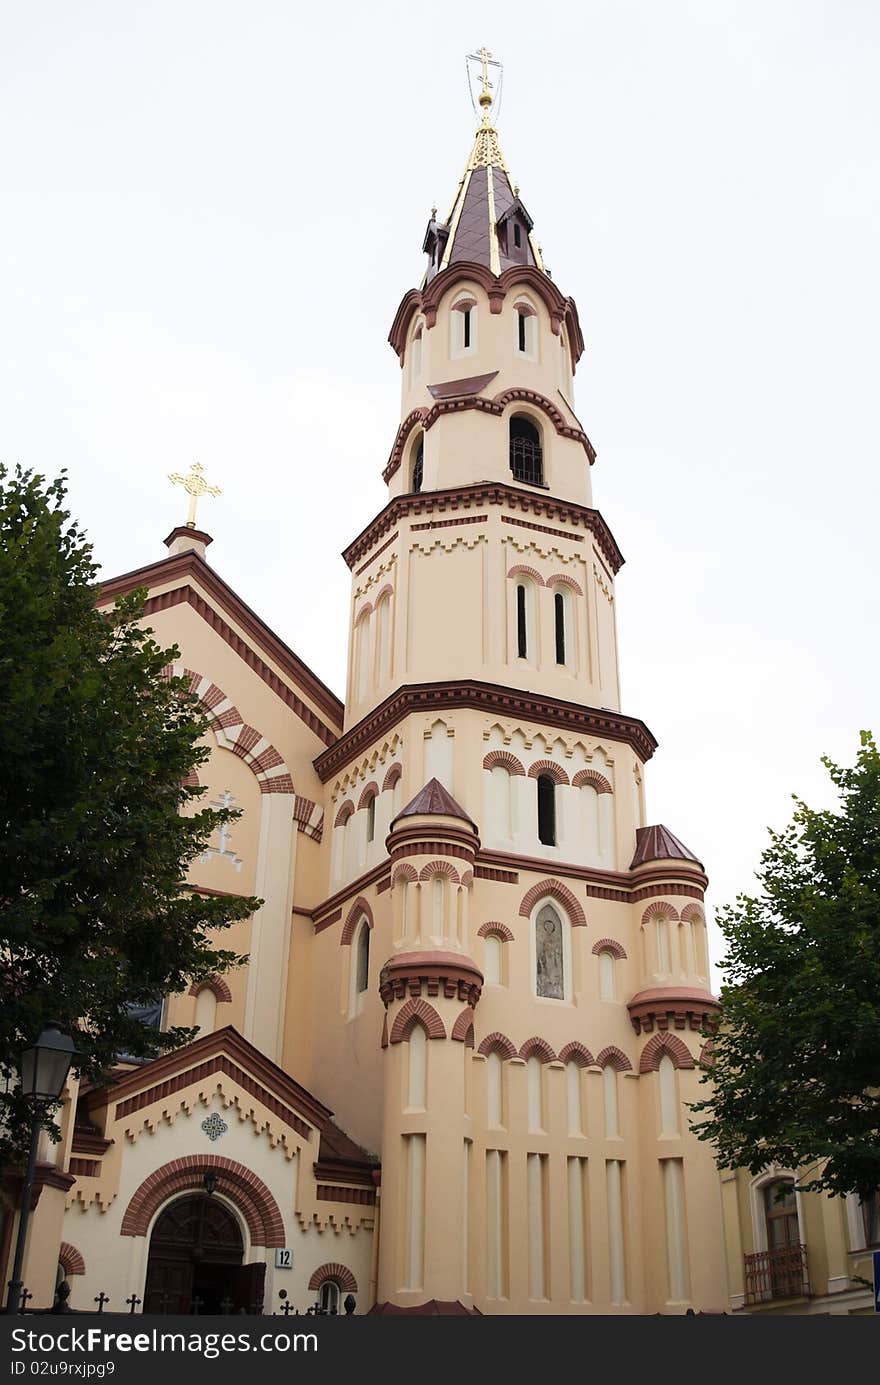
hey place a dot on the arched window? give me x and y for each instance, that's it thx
(418, 466)
(780, 1214)
(663, 964)
(416, 355)
(607, 990)
(535, 1082)
(493, 958)
(360, 968)
(559, 618)
(383, 615)
(371, 818)
(328, 1296)
(362, 654)
(549, 954)
(526, 330)
(522, 630)
(609, 1092)
(526, 455)
(494, 1089)
(464, 327)
(417, 1087)
(546, 810)
(668, 1096)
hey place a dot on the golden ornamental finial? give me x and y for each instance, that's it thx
(195, 486)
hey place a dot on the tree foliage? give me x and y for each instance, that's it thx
(97, 829)
(796, 1060)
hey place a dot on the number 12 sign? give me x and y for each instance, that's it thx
(283, 1259)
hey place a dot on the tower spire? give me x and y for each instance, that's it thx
(488, 223)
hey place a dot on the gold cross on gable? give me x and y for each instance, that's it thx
(195, 486)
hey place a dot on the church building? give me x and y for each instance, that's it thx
(453, 1075)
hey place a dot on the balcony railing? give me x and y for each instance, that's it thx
(776, 1274)
(526, 461)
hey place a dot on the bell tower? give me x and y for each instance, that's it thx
(534, 938)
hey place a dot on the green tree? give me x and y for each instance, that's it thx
(95, 743)
(795, 1077)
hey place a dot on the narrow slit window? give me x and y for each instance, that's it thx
(521, 633)
(371, 819)
(466, 328)
(521, 331)
(546, 810)
(418, 466)
(362, 974)
(517, 236)
(559, 610)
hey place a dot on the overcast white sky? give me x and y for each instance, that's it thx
(210, 211)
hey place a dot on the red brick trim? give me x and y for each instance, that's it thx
(450, 523)
(542, 529)
(495, 930)
(505, 759)
(371, 791)
(562, 579)
(498, 1043)
(537, 1048)
(365, 610)
(198, 1073)
(395, 772)
(191, 781)
(707, 1054)
(309, 817)
(215, 984)
(467, 878)
(238, 737)
(503, 877)
(359, 910)
(592, 776)
(343, 1276)
(387, 590)
(609, 945)
(665, 1043)
(416, 1012)
(576, 1052)
(191, 566)
(660, 909)
(70, 1259)
(248, 1192)
(520, 569)
(439, 868)
(333, 1192)
(344, 813)
(555, 890)
(554, 772)
(463, 1029)
(692, 913)
(84, 1168)
(404, 871)
(614, 1057)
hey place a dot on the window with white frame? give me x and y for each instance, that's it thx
(526, 329)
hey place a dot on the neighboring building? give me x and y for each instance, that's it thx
(791, 1252)
(474, 949)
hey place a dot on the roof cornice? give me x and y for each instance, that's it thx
(429, 697)
(484, 493)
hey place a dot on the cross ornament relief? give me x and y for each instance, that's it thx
(224, 835)
(195, 486)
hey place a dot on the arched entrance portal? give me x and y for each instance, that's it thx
(195, 1263)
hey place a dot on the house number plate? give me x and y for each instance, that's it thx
(283, 1259)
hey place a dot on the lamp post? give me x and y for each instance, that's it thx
(44, 1068)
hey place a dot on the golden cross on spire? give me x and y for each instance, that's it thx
(484, 55)
(195, 486)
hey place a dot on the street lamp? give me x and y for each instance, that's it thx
(43, 1068)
